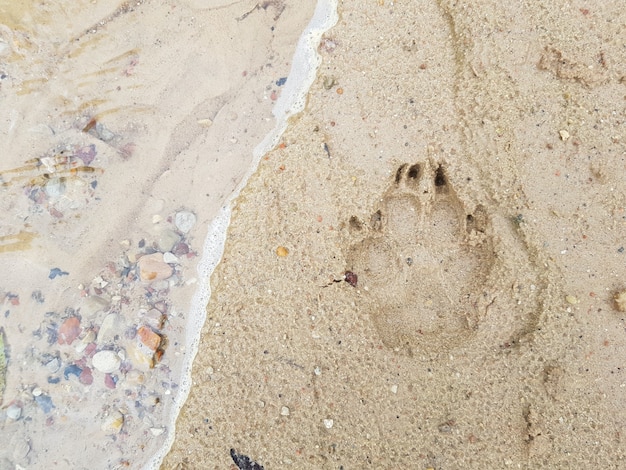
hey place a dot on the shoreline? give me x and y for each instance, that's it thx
(291, 102)
(113, 174)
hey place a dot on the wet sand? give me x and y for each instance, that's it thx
(466, 163)
(126, 126)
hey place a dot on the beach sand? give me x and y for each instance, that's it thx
(465, 160)
(125, 128)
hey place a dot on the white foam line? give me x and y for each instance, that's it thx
(292, 100)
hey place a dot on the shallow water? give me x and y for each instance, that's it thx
(125, 129)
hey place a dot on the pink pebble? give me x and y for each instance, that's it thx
(86, 378)
(108, 381)
(90, 349)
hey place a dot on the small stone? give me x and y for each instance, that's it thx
(109, 381)
(44, 402)
(149, 338)
(328, 423)
(620, 301)
(111, 327)
(170, 258)
(140, 356)
(72, 369)
(153, 268)
(55, 188)
(282, 251)
(86, 376)
(284, 411)
(135, 377)
(157, 431)
(103, 133)
(205, 122)
(564, 135)
(92, 305)
(181, 249)
(184, 221)
(167, 240)
(154, 318)
(89, 338)
(53, 365)
(37, 392)
(106, 361)
(394, 389)
(14, 412)
(571, 299)
(112, 424)
(69, 330)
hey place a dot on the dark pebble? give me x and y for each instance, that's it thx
(244, 462)
(54, 272)
(45, 403)
(72, 370)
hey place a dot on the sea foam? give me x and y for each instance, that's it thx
(292, 100)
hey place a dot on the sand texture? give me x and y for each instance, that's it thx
(125, 127)
(465, 160)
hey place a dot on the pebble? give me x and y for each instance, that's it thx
(14, 412)
(620, 301)
(109, 381)
(157, 431)
(110, 327)
(149, 338)
(86, 377)
(184, 221)
(44, 402)
(282, 251)
(394, 389)
(69, 330)
(284, 411)
(106, 361)
(328, 423)
(205, 122)
(153, 268)
(89, 338)
(167, 240)
(72, 370)
(92, 305)
(53, 365)
(112, 424)
(564, 135)
(55, 188)
(170, 258)
(140, 356)
(154, 318)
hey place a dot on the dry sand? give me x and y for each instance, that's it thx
(466, 161)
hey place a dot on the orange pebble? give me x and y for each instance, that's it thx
(282, 251)
(149, 338)
(340, 91)
(69, 330)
